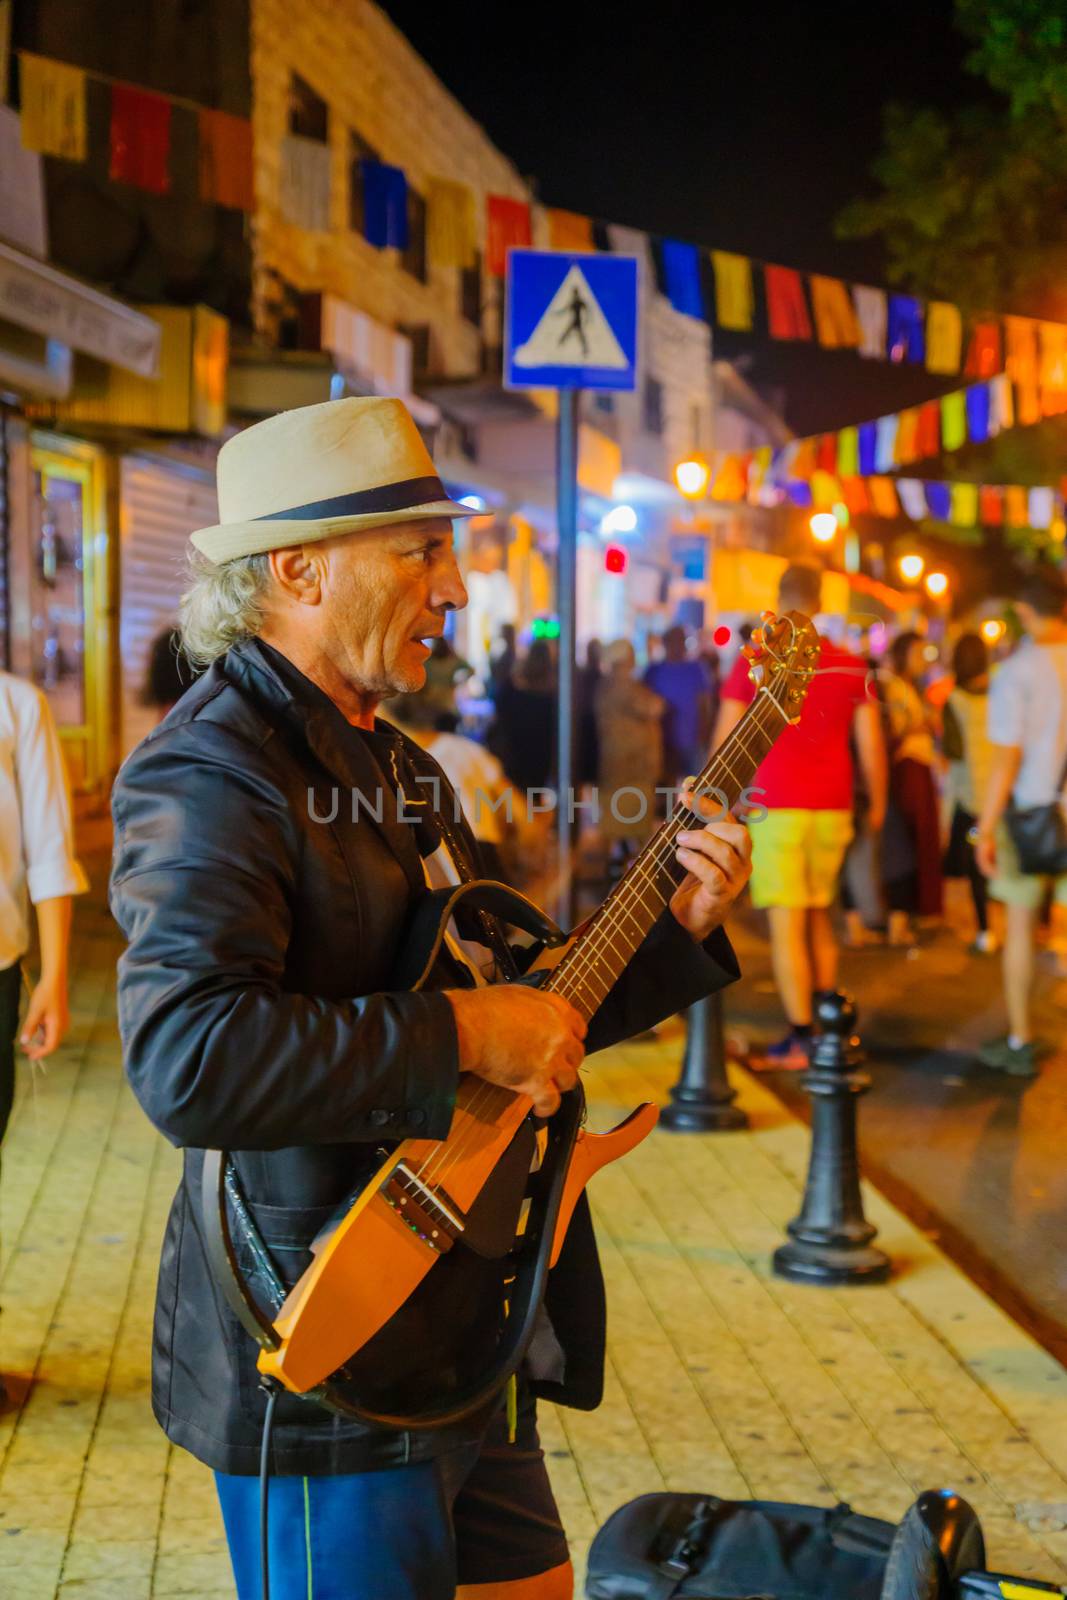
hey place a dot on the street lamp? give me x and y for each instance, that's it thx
(823, 526)
(911, 567)
(937, 585)
(692, 477)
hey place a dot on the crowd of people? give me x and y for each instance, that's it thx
(900, 775)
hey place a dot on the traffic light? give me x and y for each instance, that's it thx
(615, 559)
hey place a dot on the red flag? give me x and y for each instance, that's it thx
(508, 228)
(140, 139)
(787, 309)
(826, 453)
(225, 159)
(990, 505)
(985, 356)
(928, 432)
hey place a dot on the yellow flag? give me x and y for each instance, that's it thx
(835, 315)
(733, 290)
(944, 337)
(451, 238)
(569, 230)
(53, 108)
(964, 512)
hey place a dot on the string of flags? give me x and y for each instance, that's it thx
(733, 292)
(768, 477)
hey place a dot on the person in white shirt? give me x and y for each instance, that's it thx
(38, 868)
(1027, 727)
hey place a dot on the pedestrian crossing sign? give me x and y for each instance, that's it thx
(571, 320)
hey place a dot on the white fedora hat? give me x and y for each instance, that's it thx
(322, 470)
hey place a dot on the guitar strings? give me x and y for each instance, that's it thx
(627, 896)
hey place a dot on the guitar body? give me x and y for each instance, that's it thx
(407, 1290)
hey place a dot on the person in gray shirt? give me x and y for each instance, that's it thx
(1028, 729)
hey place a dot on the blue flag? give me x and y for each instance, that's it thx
(385, 204)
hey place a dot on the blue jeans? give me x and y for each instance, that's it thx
(481, 1513)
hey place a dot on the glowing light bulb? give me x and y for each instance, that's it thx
(911, 567)
(620, 519)
(992, 630)
(823, 526)
(936, 584)
(692, 477)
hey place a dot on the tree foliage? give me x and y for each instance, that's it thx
(972, 204)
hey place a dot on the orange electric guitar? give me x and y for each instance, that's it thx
(423, 1293)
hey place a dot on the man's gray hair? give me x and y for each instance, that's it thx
(223, 604)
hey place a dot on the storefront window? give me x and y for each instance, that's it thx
(57, 615)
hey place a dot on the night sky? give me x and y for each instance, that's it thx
(744, 127)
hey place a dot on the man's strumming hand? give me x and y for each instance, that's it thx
(520, 1038)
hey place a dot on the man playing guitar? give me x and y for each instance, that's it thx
(263, 917)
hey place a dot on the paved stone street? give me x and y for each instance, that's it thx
(720, 1377)
(970, 1153)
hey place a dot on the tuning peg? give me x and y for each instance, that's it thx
(767, 617)
(757, 636)
(748, 652)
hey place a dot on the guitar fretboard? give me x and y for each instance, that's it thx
(597, 959)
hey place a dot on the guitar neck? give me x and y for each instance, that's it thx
(600, 954)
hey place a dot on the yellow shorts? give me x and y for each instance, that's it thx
(797, 856)
(1013, 887)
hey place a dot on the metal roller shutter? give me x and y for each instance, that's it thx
(161, 505)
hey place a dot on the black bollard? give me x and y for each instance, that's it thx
(830, 1241)
(702, 1099)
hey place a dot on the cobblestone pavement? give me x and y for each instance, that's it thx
(720, 1377)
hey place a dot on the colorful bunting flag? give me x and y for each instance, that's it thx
(884, 501)
(991, 505)
(681, 272)
(854, 494)
(805, 461)
(385, 204)
(826, 453)
(1016, 506)
(835, 316)
(985, 356)
(928, 431)
(953, 420)
(848, 452)
(963, 512)
(733, 291)
(1001, 404)
(977, 400)
(569, 230)
(507, 228)
(140, 139)
(1021, 365)
(938, 500)
(1040, 507)
(451, 226)
(53, 119)
(825, 490)
(304, 188)
(225, 159)
(944, 337)
(885, 443)
(912, 498)
(787, 309)
(904, 330)
(872, 314)
(731, 481)
(868, 438)
(906, 450)
(1053, 340)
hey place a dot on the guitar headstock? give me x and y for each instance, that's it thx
(784, 654)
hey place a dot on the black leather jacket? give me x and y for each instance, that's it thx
(257, 1015)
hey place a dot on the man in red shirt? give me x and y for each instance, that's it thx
(798, 846)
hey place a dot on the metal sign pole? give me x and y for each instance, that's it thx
(566, 577)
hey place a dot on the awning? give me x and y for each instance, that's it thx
(40, 297)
